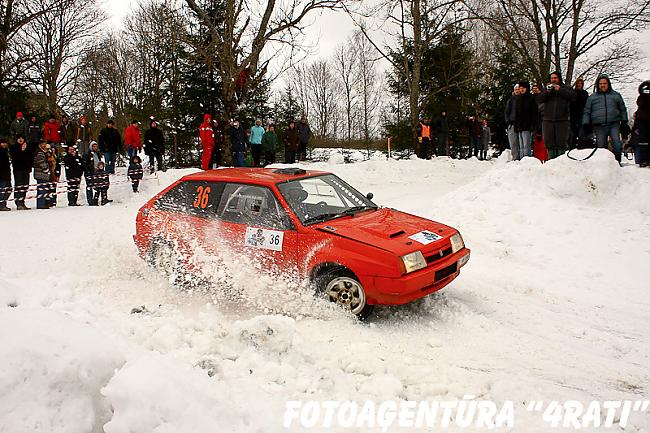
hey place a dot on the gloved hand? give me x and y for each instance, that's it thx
(625, 130)
(588, 129)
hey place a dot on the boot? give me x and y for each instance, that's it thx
(20, 205)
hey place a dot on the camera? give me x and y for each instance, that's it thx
(549, 86)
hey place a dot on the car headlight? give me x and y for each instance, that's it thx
(457, 243)
(414, 261)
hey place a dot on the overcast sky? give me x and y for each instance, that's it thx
(331, 28)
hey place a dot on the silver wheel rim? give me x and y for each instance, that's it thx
(346, 292)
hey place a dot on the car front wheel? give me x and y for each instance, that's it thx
(342, 287)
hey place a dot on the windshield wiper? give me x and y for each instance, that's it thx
(354, 209)
(323, 217)
(333, 215)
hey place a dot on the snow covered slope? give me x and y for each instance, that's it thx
(553, 305)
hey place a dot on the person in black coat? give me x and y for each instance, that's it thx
(5, 174)
(640, 137)
(89, 163)
(135, 172)
(154, 146)
(238, 143)
(577, 108)
(22, 159)
(557, 98)
(102, 182)
(525, 119)
(110, 143)
(73, 172)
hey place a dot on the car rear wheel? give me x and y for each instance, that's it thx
(341, 286)
(162, 256)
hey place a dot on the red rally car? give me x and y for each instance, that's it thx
(310, 224)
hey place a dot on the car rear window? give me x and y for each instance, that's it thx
(194, 198)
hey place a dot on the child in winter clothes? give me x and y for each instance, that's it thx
(135, 172)
(101, 183)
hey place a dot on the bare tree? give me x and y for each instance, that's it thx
(241, 34)
(14, 17)
(368, 86)
(345, 65)
(413, 25)
(573, 36)
(55, 41)
(323, 96)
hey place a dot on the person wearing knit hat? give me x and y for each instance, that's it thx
(526, 119)
(577, 107)
(556, 97)
(510, 114)
(640, 137)
(18, 127)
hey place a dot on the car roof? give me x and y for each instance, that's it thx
(258, 176)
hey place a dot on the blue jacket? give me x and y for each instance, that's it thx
(604, 107)
(256, 135)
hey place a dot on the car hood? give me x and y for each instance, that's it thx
(388, 229)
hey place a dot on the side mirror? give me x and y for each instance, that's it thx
(369, 196)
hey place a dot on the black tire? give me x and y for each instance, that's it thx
(340, 285)
(162, 256)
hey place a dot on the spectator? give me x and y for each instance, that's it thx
(154, 146)
(90, 161)
(604, 112)
(22, 160)
(52, 135)
(486, 140)
(441, 125)
(510, 115)
(132, 139)
(18, 127)
(526, 119)
(102, 183)
(291, 143)
(5, 174)
(270, 145)
(577, 108)
(556, 125)
(34, 134)
(68, 132)
(474, 130)
(641, 126)
(424, 137)
(84, 136)
(257, 132)
(238, 143)
(135, 172)
(110, 142)
(206, 134)
(73, 172)
(55, 174)
(304, 133)
(217, 151)
(42, 175)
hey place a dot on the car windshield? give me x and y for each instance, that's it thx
(321, 198)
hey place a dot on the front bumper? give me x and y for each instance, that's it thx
(416, 285)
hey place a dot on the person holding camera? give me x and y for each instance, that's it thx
(556, 125)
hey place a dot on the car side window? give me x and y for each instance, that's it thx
(194, 198)
(252, 205)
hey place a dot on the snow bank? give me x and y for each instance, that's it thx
(53, 368)
(553, 305)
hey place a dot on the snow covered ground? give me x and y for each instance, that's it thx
(553, 305)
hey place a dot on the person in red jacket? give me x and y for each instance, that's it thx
(206, 133)
(132, 139)
(52, 134)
